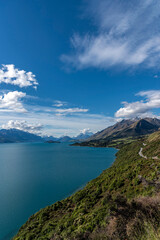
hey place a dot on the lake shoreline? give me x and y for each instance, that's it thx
(44, 174)
(123, 188)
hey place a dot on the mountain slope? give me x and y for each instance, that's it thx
(153, 145)
(15, 135)
(128, 128)
(122, 203)
(112, 130)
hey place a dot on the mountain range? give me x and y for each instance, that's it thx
(128, 128)
(80, 137)
(15, 135)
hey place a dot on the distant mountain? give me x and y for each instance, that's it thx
(80, 137)
(15, 135)
(65, 139)
(128, 128)
(50, 138)
(83, 136)
(51, 141)
(60, 139)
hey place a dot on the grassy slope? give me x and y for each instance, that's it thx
(122, 203)
(153, 145)
(117, 143)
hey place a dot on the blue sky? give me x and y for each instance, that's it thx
(72, 65)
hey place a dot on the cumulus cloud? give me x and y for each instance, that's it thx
(127, 35)
(151, 101)
(11, 102)
(24, 126)
(11, 75)
(86, 131)
(67, 111)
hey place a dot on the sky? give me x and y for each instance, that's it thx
(76, 66)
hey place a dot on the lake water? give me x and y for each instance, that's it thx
(34, 175)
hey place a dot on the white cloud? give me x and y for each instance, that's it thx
(24, 126)
(11, 102)
(143, 107)
(58, 125)
(55, 121)
(66, 111)
(127, 35)
(86, 131)
(58, 103)
(11, 75)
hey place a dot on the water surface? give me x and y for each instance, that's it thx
(34, 175)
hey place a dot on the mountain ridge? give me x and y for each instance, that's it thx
(128, 128)
(14, 135)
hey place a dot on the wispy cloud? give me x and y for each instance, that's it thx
(141, 108)
(11, 102)
(66, 111)
(11, 75)
(24, 126)
(58, 103)
(126, 36)
(47, 119)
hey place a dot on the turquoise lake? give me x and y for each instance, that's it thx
(34, 175)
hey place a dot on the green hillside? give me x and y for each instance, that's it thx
(123, 203)
(152, 148)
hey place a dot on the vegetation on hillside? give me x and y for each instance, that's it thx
(152, 148)
(115, 143)
(123, 203)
